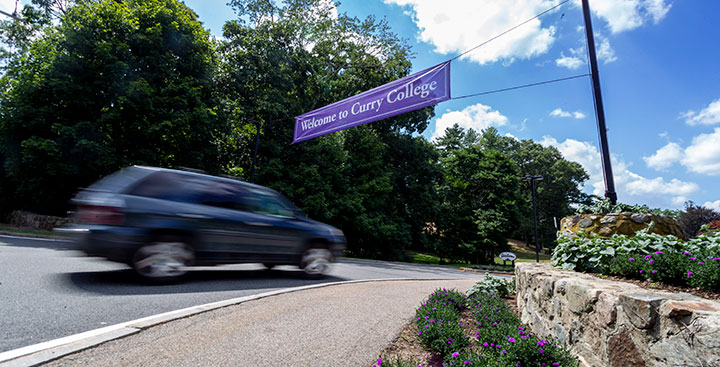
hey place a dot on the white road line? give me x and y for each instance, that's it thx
(42, 352)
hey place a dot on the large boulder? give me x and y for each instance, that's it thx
(606, 225)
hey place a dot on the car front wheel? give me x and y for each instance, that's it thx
(315, 262)
(163, 261)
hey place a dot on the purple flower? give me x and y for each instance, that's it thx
(717, 258)
(658, 252)
(467, 362)
(542, 351)
(455, 354)
(485, 344)
(651, 261)
(647, 256)
(379, 362)
(419, 332)
(504, 351)
(631, 259)
(654, 271)
(511, 340)
(689, 273)
(700, 263)
(686, 253)
(641, 271)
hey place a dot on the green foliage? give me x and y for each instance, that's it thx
(590, 252)
(438, 322)
(503, 341)
(480, 197)
(694, 217)
(650, 256)
(377, 181)
(112, 84)
(493, 286)
(603, 206)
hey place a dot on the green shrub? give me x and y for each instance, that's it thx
(590, 252)
(438, 322)
(493, 285)
(604, 206)
(666, 259)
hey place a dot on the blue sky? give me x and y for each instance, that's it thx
(658, 70)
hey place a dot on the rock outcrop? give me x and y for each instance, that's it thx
(628, 224)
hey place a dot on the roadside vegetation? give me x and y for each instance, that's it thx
(494, 336)
(89, 87)
(646, 256)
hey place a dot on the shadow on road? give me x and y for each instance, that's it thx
(126, 282)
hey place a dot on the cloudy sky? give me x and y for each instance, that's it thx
(658, 64)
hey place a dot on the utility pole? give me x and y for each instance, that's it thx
(599, 110)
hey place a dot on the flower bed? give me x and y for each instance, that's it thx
(647, 256)
(499, 339)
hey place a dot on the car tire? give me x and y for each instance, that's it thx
(164, 260)
(315, 262)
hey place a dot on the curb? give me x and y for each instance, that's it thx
(36, 354)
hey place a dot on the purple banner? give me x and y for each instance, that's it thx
(422, 89)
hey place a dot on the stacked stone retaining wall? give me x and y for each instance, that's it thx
(36, 221)
(618, 324)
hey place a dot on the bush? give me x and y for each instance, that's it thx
(604, 206)
(712, 226)
(646, 256)
(503, 341)
(438, 322)
(590, 252)
(694, 217)
(493, 285)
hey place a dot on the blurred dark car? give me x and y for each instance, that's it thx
(161, 221)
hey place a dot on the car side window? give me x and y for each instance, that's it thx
(224, 195)
(266, 203)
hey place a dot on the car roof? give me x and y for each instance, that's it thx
(199, 173)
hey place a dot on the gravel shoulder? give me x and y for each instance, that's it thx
(341, 325)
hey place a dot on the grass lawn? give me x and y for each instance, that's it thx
(12, 230)
(523, 253)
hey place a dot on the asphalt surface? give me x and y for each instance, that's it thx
(47, 291)
(337, 325)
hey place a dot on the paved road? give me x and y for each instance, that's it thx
(48, 291)
(341, 325)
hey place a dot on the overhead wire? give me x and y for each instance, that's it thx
(521, 86)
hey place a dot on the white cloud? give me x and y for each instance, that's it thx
(665, 156)
(456, 26)
(624, 15)
(605, 52)
(710, 115)
(476, 117)
(558, 112)
(570, 62)
(8, 6)
(631, 187)
(715, 205)
(703, 155)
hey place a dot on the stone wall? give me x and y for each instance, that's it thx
(621, 223)
(24, 219)
(617, 324)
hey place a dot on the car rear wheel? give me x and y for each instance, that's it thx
(315, 262)
(164, 260)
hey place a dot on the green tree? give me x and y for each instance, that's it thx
(280, 60)
(559, 189)
(115, 83)
(480, 197)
